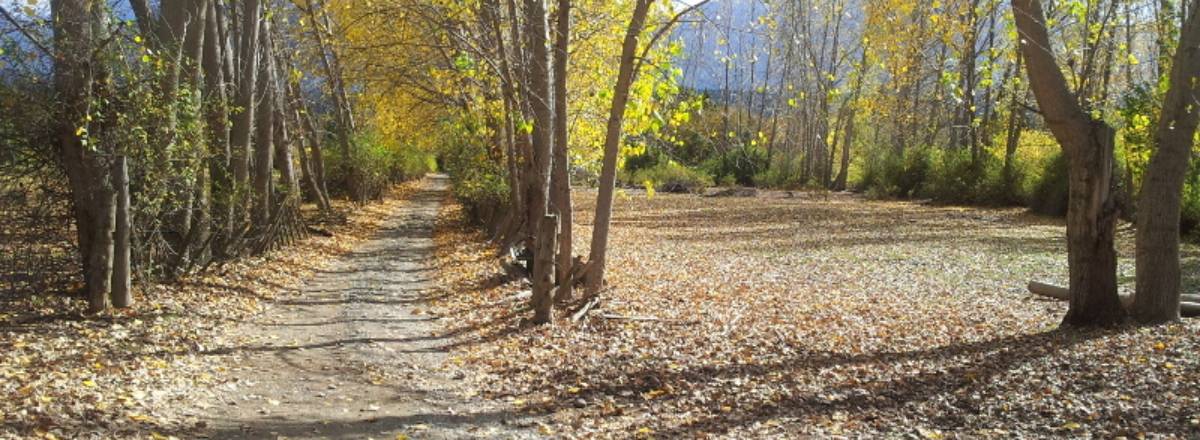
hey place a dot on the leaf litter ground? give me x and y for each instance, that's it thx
(785, 315)
(119, 375)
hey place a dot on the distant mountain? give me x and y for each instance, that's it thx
(720, 30)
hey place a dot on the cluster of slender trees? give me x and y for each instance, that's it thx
(204, 167)
(531, 59)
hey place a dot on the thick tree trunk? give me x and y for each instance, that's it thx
(542, 102)
(561, 179)
(1088, 144)
(1158, 274)
(77, 25)
(612, 141)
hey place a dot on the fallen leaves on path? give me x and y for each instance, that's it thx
(780, 316)
(118, 375)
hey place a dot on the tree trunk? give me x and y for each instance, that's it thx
(1158, 275)
(1088, 144)
(612, 142)
(321, 25)
(121, 293)
(77, 23)
(542, 102)
(543, 266)
(1013, 136)
(264, 139)
(243, 121)
(561, 178)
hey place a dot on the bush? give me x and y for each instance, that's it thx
(649, 158)
(670, 176)
(740, 163)
(953, 176)
(376, 163)
(889, 174)
(783, 172)
(480, 184)
(1049, 194)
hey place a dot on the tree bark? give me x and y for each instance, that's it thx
(561, 176)
(612, 142)
(264, 139)
(1088, 144)
(217, 117)
(243, 121)
(543, 266)
(1158, 273)
(542, 102)
(76, 71)
(121, 294)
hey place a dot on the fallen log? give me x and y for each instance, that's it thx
(1189, 304)
(519, 296)
(586, 307)
(647, 319)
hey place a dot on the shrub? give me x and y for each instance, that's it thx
(1049, 193)
(376, 163)
(889, 174)
(480, 184)
(670, 176)
(740, 163)
(953, 176)
(647, 159)
(783, 172)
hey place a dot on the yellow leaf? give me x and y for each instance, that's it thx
(157, 436)
(1159, 346)
(1071, 426)
(89, 383)
(138, 417)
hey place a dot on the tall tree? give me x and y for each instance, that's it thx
(1088, 145)
(612, 143)
(78, 31)
(1158, 275)
(561, 190)
(541, 100)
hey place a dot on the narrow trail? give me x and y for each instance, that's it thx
(348, 358)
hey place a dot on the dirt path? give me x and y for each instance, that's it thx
(351, 356)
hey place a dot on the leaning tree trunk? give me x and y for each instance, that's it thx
(612, 141)
(1158, 277)
(1088, 144)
